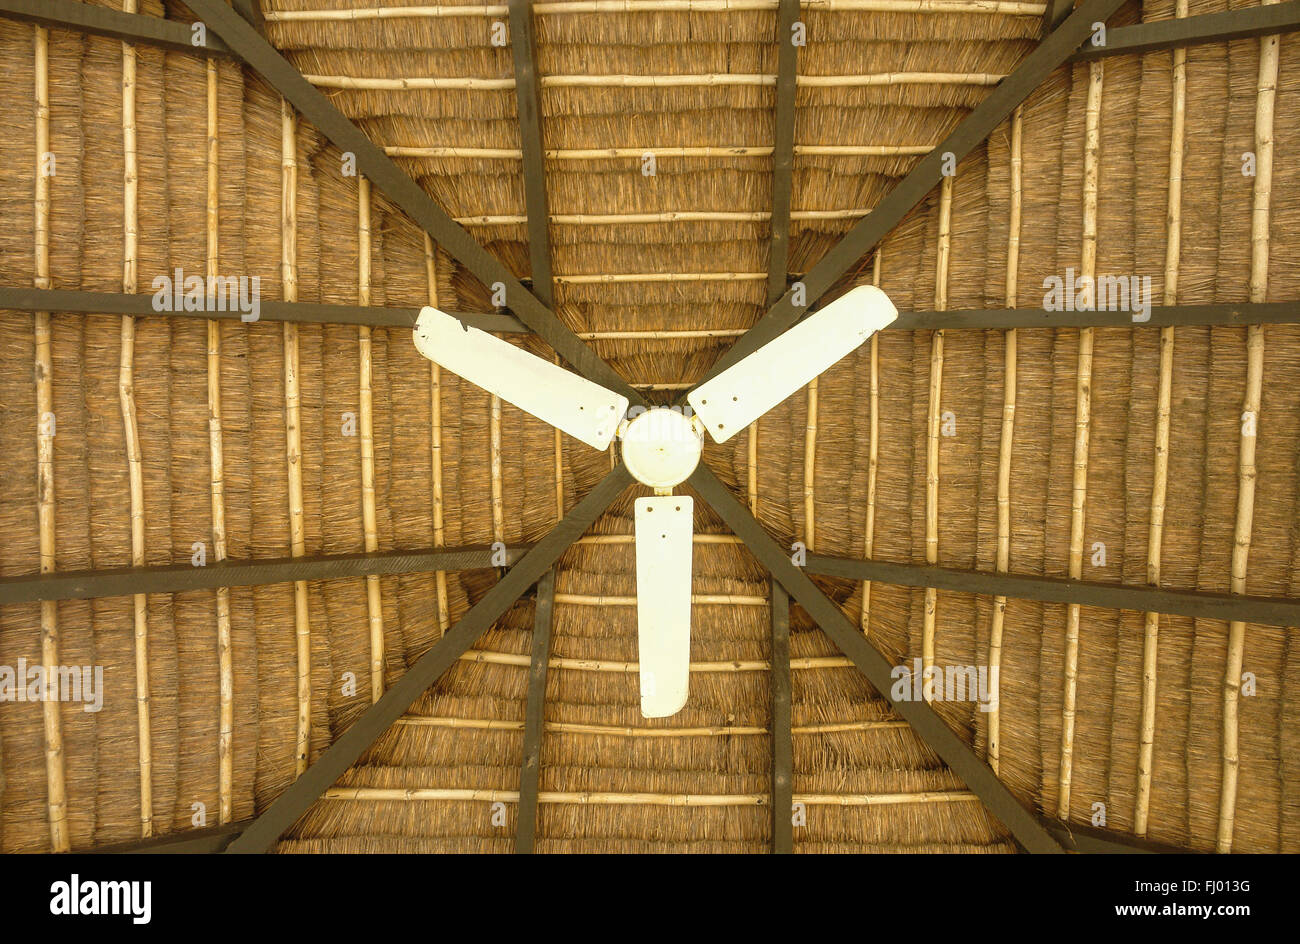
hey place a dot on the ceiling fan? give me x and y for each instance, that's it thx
(661, 446)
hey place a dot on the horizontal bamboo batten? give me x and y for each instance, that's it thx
(562, 7)
(660, 335)
(631, 539)
(699, 599)
(596, 665)
(636, 153)
(710, 79)
(644, 799)
(632, 277)
(608, 730)
(668, 216)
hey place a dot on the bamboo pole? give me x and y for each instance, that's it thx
(494, 450)
(699, 599)
(636, 153)
(562, 7)
(642, 799)
(932, 434)
(705, 80)
(555, 797)
(605, 730)
(1082, 420)
(667, 216)
(664, 335)
(873, 456)
(631, 539)
(1005, 443)
(810, 467)
(435, 387)
(126, 396)
(1160, 462)
(56, 803)
(225, 663)
(1246, 477)
(293, 422)
(366, 423)
(751, 468)
(877, 79)
(1246, 472)
(628, 277)
(862, 150)
(886, 799)
(559, 470)
(489, 657)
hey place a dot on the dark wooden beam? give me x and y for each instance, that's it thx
(404, 192)
(523, 47)
(1174, 315)
(63, 301)
(783, 152)
(285, 810)
(929, 726)
(251, 11)
(1271, 611)
(186, 842)
(912, 189)
(530, 767)
(1090, 839)
(105, 21)
(1055, 14)
(782, 742)
(1238, 23)
(183, 577)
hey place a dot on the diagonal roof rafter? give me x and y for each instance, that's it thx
(405, 193)
(928, 172)
(348, 748)
(539, 312)
(927, 723)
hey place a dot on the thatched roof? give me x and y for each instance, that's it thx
(502, 478)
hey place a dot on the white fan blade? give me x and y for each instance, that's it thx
(586, 411)
(749, 388)
(663, 611)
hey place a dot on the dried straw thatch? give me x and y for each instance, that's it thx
(222, 697)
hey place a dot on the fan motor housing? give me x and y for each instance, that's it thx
(662, 446)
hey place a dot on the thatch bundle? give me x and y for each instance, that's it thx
(610, 780)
